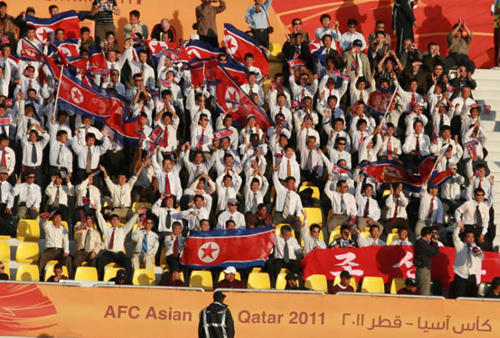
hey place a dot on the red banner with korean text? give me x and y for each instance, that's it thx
(390, 262)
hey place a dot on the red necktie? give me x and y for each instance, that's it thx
(431, 209)
(200, 143)
(362, 139)
(303, 94)
(165, 137)
(389, 148)
(395, 212)
(167, 184)
(112, 240)
(296, 54)
(4, 160)
(413, 103)
(480, 184)
(176, 247)
(474, 153)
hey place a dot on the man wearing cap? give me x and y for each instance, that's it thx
(430, 211)
(424, 249)
(231, 214)
(216, 320)
(292, 282)
(344, 284)
(206, 24)
(121, 278)
(88, 243)
(147, 244)
(410, 289)
(357, 63)
(230, 281)
(114, 242)
(6, 204)
(467, 262)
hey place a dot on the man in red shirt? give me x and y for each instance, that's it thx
(230, 282)
(410, 289)
(343, 286)
(260, 218)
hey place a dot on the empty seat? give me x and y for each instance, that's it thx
(315, 190)
(317, 283)
(275, 49)
(258, 280)
(281, 281)
(373, 285)
(28, 230)
(144, 277)
(4, 238)
(27, 252)
(397, 284)
(139, 205)
(163, 258)
(483, 289)
(49, 269)
(86, 273)
(352, 282)
(4, 251)
(110, 272)
(201, 279)
(28, 273)
(314, 216)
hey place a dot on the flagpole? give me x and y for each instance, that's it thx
(57, 93)
(389, 107)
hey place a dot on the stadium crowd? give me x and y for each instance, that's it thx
(55, 160)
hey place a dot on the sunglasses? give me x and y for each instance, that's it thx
(297, 24)
(315, 231)
(479, 194)
(31, 177)
(234, 204)
(341, 144)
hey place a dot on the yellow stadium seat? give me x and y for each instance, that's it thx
(144, 277)
(364, 234)
(333, 236)
(4, 238)
(273, 194)
(372, 285)
(110, 272)
(257, 269)
(163, 258)
(49, 269)
(352, 282)
(321, 236)
(314, 216)
(6, 269)
(275, 49)
(330, 215)
(305, 185)
(4, 251)
(139, 205)
(27, 252)
(278, 229)
(28, 273)
(28, 230)
(181, 275)
(397, 284)
(386, 193)
(222, 276)
(86, 273)
(394, 230)
(108, 204)
(281, 281)
(201, 279)
(316, 283)
(391, 238)
(259, 280)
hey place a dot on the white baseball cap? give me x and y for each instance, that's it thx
(230, 269)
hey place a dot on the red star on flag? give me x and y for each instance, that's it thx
(44, 34)
(229, 43)
(208, 251)
(233, 96)
(157, 47)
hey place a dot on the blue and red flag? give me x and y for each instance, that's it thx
(297, 104)
(229, 90)
(5, 120)
(47, 214)
(237, 71)
(316, 48)
(339, 170)
(69, 47)
(389, 171)
(381, 101)
(477, 172)
(238, 44)
(97, 57)
(203, 71)
(296, 63)
(201, 50)
(156, 47)
(240, 248)
(30, 53)
(99, 71)
(94, 102)
(45, 28)
(439, 178)
(352, 221)
(426, 167)
(222, 133)
(279, 158)
(354, 64)
(435, 135)
(4, 40)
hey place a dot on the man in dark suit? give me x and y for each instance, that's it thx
(357, 63)
(463, 79)
(329, 52)
(296, 50)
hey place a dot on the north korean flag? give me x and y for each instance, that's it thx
(97, 57)
(439, 178)
(201, 50)
(240, 248)
(237, 71)
(94, 102)
(69, 48)
(222, 133)
(228, 90)
(387, 171)
(296, 63)
(30, 53)
(339, 170)
(156, 47)
(238, 44)
(203, 71)
(45, 28)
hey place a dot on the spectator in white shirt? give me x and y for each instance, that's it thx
(30, 197)
(431, 209)
(288, 202)
(56, 244)
(310, 236)
(475, 216)
(146, 246)
(391, 145)
(6, 204)
(167, 176)
(334, 32)
(7, 155)
(396, 203)
(196, 214)
(114, 83)
(169, 121)
(255, 191)
(402, 238)
(202, 134)
(304, 88)
(58, 194)
(88, 197)
(231, 214)
(252, 87)
(33, 150)
(88, 154)
(368, 209)
(286, 251)
(467, 262)
(174, 245)
(372, 240)
(140, 67)
(60, 156)
(343, 204)
(348, 37)
(451, 193)
(228, 186)
(417, 145)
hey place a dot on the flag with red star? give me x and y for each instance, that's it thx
(229, 91)
(238, 44)
(240, 248)
(30, 53)
(45, 28)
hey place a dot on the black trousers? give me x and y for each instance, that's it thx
(465, 287)
(173, 262)
(6, 226)
(212, 40)
(114, 257)
(278, 264)
(262, 37)
(457, 60)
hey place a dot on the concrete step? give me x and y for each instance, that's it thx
(487, 94)
(482, 74)
(486, 84)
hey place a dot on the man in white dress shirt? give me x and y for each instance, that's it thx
(311, 161)
(174, 244)
(368, 209)
(89, 154)
(58, 194)
(286, 252)
(56, 244)
(6, 204)
(342, 202)
(30, 197)
(231, 214)
(196, 214)
(146, 247)
(288, 202)
(33, 150)
(474, 215)
(372, 240)
(252, 87)
(114, 250)
(348, 37)
(430, 211)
